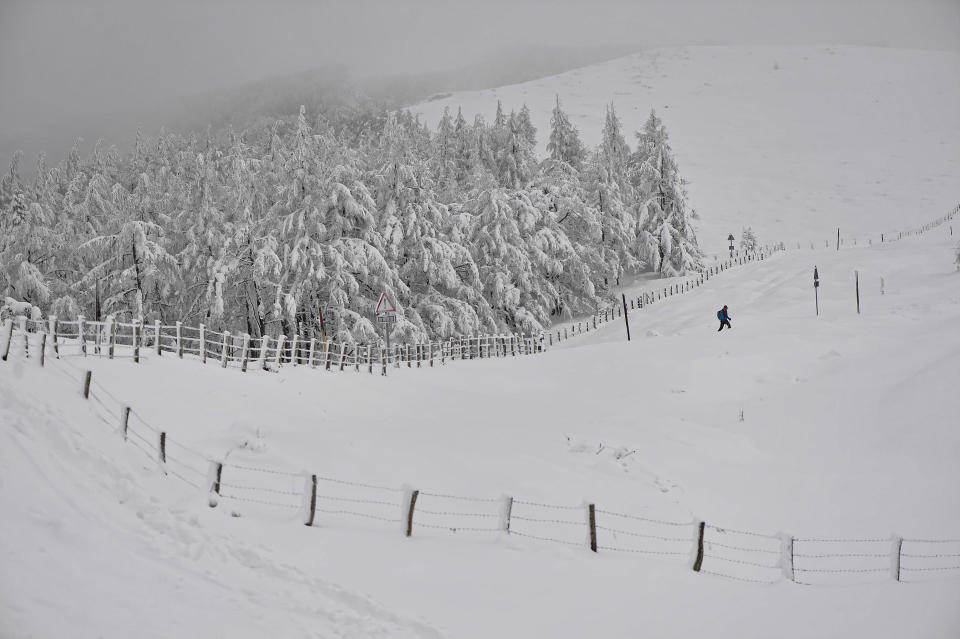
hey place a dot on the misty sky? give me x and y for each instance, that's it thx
(65, 61)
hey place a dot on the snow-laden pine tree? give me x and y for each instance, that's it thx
(748, 241)
(565, 144)
(661, 201)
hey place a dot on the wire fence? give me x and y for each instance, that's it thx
(317, 500)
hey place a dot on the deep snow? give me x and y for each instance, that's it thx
(848, 429)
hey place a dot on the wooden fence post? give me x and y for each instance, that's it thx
(86, 384)
(203, 344)
(163, 452)
(245, 354)
(312, 489)
(413, 504)
(896, 548)
(124, 422)
(313, 346)
(856, 275)
(136, 342)
(179, 339)
(156, 335)
(112, 337)
(592, 519)
(505, 514)
(786, 556)
(55, 329)
(626, 317)
(225, 349)
(81, 336)
(326, 355)
(279, 359)
(6, 349)
(343, 355)
(215, 474)
(264, 347)
(43, 348)
(698, 562)
(293, 349)
(383, 361)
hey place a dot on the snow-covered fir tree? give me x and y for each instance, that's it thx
(564, 144)
(661, 203)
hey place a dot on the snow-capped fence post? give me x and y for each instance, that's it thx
(310, 352)
(383, 361)
(326, 355)
(43, 348)
(343, 356)
(310, 500)
(81, 336)
(786, 556)
(410, 502)
(162, 452)
(280, 340)
(592, 521)
(225, 349)
(264, 345)
(245, 354)
(203, 344)
(124, 422)
(419, 349)
(86, 384)
(294, 355)
(8, 323)
(430, 352)
(214, 474)
(896, 546)
(506, 510)
(698, 561)
(179, 328)
(156, 337)
(406, 355)
(370, 359)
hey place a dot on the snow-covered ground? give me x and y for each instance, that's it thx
(837, 426)
(793, 141)
(848, 430)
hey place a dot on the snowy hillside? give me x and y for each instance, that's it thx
(794, 141)
(841, 426)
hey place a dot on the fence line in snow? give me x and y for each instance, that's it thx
(318, 500)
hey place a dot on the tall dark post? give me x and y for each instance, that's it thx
(626, 318)
(838, 239)
(856, 275)
(816, 287)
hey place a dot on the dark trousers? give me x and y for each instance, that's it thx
(723, 323)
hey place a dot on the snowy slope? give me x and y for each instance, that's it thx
(848, 431)
(793, 141)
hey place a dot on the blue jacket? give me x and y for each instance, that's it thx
(722, 315)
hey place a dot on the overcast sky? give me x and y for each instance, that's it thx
(62, 61)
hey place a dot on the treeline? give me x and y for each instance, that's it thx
(262, 231)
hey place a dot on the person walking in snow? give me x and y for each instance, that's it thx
(724, 318)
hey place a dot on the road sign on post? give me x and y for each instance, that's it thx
(386, 314)
(816, 287)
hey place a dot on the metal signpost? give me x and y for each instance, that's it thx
(386, 314)
(816, 286)
(731, 244)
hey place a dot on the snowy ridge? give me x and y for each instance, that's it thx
(308, 498)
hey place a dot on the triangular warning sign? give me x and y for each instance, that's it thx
(385, 305)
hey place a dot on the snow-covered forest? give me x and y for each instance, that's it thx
(259, 231)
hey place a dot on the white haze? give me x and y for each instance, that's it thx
(70, 69)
